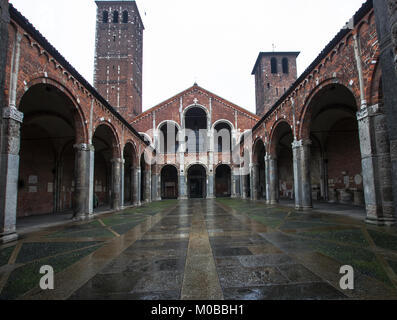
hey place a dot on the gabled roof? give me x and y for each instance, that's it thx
(196, 87)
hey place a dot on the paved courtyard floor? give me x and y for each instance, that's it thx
(204, 249)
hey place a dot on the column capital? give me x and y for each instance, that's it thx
(84, 147)
(117, 160)
(369, 111)
(301, 143)
(12, 113)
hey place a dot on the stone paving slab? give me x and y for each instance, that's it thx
(202, 250)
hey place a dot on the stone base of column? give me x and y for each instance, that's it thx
(381, 222)
(7, 238)
(211, 197)
(378, 218)
(182, 198)
(272, 202)
(83, 217)
(234, 196)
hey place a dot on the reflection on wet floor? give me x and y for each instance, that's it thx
(212, 249)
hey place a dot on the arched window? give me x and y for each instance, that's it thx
(125, 16)
(274, 65)
(285, 66)
(105, 17)
(116, 17)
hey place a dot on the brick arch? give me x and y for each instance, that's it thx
(162, 123)
(303, 130)
(254, 153)
(169, 165)
(199, 164)
(116, 147)
(223, 164)
(223, 121)
(81, 129)
(273, 144)
(374, 90)
(134, 148)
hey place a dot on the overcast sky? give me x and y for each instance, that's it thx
(213, 42)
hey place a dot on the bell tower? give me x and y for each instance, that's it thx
(274, 73)
(118, 55)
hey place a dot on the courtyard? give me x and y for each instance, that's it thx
(223, 249)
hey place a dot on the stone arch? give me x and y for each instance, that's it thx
(223, 180)
(163, 137)
(162, 123)
(169, 182)
(197, 174)
(223, 121)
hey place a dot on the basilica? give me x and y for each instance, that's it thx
(68, 146)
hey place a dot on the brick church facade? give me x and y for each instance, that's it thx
(323, 136)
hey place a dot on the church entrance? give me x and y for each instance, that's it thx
(197, 182)
(169, 182)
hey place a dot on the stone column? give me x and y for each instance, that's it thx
(122, 183)
(148, 185)
(84, 181)
(136, 199)
(302, 177)
(254, 182)
(234, 183)
(386, 25)
(376, 165)
(9, 172)
(272, 180)
(156, 186)
(210, 186)
(116, 184)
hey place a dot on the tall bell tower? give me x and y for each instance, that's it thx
(118, 55)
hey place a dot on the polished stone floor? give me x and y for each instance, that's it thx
(204, 249)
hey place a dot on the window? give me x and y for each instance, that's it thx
(116, 17)
(125, 17)
(274, 65)
(105, 17)
(285, 66)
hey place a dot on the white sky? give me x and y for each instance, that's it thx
(213, 42)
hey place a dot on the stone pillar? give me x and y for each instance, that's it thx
(254, 181)
(9, 172)
(136, 186)
(156, 186)
(243, 177)
(302, 177)
(122, 183)
(148, 185)
(234, 184)
(386, 25)
(210, 186)
(271, 180)
(376, 165)
(116, 184)
(84, 181)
